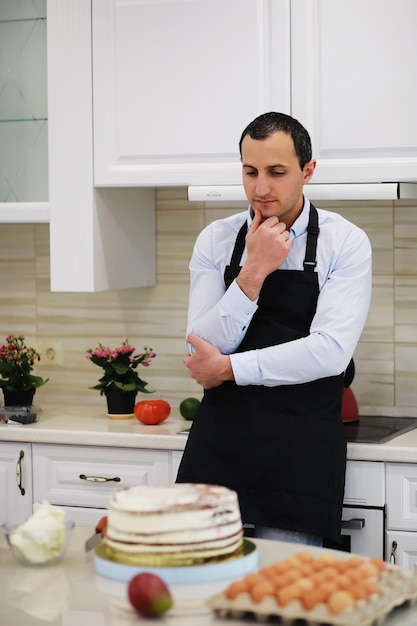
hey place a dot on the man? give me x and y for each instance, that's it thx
(279, 297)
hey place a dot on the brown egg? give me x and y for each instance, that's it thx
(236, 588)
(368, 570)
(262, 589)
(304, 557)
(340, 601)
(327, 558)
(253, 578)
(343, 581)
(318, 595)
(379, 563)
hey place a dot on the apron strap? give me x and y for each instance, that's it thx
(232, 270)
(312, 235)
(239, 245)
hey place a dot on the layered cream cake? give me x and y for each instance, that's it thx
(172, 525)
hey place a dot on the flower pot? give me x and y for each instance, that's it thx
(120, 404)
(19, 398)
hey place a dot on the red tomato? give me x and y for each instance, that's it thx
(152, 411)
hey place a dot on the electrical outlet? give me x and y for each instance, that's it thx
(52, 354)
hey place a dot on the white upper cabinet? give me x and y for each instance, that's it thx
(145, 93)
(101, 239)
(176, 82)
(354, 87)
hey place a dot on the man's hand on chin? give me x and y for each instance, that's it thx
(207, 365)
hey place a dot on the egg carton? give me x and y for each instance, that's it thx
(397, 587)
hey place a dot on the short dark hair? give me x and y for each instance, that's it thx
(269, 123)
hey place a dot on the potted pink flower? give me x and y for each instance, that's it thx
(16, 364)
(120, 381)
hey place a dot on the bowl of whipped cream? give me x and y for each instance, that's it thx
(43, 538)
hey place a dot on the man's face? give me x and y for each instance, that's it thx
(272, 177)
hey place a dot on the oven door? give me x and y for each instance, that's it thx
(363, 531)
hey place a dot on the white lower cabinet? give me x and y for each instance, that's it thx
(401, 548)
(15, 482)
(176, 456)
(81, 479)
(401, 534)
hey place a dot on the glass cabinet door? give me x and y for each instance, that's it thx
(23, 102)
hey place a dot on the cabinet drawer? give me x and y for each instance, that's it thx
(86, 476)
(402, 496)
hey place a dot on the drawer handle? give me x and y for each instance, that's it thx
(19, 473)
(394, 546)
(356, 523)
(100, 479)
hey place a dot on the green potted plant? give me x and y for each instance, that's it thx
(16, 364)
(120, 381)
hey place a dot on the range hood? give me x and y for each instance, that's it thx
(347, 191)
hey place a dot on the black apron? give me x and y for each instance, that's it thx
(283, 448)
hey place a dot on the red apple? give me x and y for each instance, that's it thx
(149, 594)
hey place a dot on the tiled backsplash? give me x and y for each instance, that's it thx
(386, 357)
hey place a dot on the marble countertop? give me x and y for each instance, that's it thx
(88, 425)
(72, 593)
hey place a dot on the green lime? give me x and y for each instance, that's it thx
(188, 408)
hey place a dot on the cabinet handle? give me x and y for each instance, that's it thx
(100, 479)
(19, 473)
(393, 550)
(356, 523)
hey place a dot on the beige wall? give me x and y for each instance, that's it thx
(386, 357)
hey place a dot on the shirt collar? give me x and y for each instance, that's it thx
(301, 223)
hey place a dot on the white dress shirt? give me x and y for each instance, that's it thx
(344, 268)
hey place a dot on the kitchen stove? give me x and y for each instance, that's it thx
(378, 428)
(369, 428)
